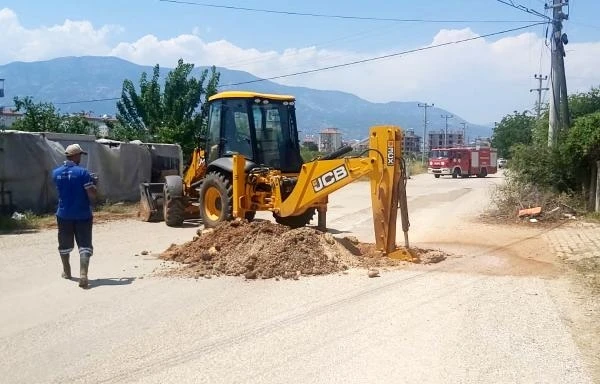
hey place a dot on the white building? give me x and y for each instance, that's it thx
(330, 139)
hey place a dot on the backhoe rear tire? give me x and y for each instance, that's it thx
(216, 199)
(296, 221)
(173, 206)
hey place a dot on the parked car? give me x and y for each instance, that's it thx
(502, 163)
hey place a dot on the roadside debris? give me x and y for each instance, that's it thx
(18, 216)
(530, 212)
(537, 214)
(373, 273)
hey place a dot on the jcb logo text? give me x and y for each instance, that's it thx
(391, 156)
(329, 178)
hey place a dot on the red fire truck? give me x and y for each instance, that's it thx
(463, 162)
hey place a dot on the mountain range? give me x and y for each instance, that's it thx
(74, 79)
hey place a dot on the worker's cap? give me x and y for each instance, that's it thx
(74, 149)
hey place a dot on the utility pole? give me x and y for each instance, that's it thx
(558, 99)
(424, 106)
(1, 106)
(464, 133)
(539, 90)
(446, 132)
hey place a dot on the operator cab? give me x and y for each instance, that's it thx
(261, 127)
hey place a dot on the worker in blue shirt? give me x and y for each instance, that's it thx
(76, 191)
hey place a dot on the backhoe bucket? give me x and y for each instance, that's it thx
(151, 201)
(388, 192)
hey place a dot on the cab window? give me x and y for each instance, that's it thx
(214, 131)
(236, 130)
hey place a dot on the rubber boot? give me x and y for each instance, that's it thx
(66, 266)
(84, 264)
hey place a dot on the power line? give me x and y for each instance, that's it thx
(332, 16)
(380, 57)
(88, 101)
(545, 96)
(337, 65)
(333, 66)
(512, 4)
(353, 37)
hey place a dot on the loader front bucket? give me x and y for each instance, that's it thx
(151, 201)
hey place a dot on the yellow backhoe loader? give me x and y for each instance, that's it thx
(251, 162)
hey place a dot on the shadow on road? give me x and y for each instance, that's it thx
(334, 231)
(108, 282)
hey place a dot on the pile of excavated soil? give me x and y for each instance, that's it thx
(262, 249)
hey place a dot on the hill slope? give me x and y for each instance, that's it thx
(89, 78)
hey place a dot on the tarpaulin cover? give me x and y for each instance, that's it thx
(27, 161)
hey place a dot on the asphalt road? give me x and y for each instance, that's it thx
(475, 318)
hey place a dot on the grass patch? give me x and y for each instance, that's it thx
(417, 168)
(28, 221)
(593, 217)
(102, 213)
(508, 198)
(115, 211)
(116, 208)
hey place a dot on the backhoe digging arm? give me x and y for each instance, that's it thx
(318, 179)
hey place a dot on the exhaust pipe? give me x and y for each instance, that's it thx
(335, 154)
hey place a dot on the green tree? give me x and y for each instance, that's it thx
(44, 117)
(40, 117)
(310, 146)
(77, 124)
(122, 132)
(571, 165)
(582, 148)
(513, 129)
(176, 114)
(584, 103)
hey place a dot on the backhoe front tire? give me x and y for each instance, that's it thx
(173, 205)
(296, 221)
(216, 199)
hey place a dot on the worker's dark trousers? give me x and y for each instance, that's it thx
(71, 231)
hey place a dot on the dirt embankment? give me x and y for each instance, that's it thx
(261, 249)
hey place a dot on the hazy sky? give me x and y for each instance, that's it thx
(481, 80)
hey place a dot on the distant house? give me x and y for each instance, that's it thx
(438, 139)
(8, 117)
(100, 122)
(411, 143)
(330, 139)
(309, 139)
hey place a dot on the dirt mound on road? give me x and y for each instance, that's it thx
(262, 249)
